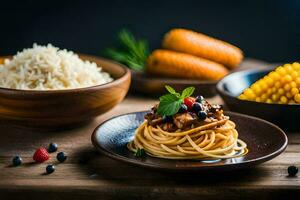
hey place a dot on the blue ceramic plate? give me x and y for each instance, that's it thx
(265, 141)
(284, 115)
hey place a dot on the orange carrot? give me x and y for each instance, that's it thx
(198, 44)
(180, 65)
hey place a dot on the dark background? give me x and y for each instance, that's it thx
(267, 30)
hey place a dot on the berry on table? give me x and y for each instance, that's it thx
(17, 160)
(61, 157)
(41, 155)
(189, 101)
(52, 147)
(50, 169)
(292, 170)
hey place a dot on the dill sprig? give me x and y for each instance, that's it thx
(130, 51)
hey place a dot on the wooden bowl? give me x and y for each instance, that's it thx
(230, 87)
(62, 109)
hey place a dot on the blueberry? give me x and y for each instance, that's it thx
(202, 115)
(183, 108)
(292, 170)
(50, 169)
(52, 147)
(61, 157)
(199, 99)
(17, 160)
(197, 107)
(167, 118)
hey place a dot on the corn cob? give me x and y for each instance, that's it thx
(198, 44)
(180, 65)
(279, 86)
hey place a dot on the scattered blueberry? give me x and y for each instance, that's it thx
(183, 108)
(52, 147)
(292, 170)
(202, 115)
(199, 99)
(61, 157)
(197, 107)
(167, 118)
(50, 169)
(17, 160)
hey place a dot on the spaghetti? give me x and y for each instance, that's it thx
(186, 136)
(203, 142)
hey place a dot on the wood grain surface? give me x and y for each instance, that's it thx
(89, 175)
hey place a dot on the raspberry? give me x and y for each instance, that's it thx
(41, 155)
(189, 101)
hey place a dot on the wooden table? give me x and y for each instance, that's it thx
(88, 174)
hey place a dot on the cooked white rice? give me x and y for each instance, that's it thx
(49, 68)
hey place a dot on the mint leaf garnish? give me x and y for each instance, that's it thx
(169, 104)
(172, 90)
(187, 92)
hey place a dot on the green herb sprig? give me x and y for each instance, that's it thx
(169, 104)
(130, 51)
(140, 153)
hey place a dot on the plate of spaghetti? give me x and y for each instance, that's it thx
(183, 132)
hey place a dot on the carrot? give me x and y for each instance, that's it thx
(198, 44)
(180, 65)
(1, 61)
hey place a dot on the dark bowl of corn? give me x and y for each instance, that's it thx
(282, 114)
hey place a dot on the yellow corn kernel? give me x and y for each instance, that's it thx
(294, 74)
(274, 97)
(269, 101)
(249, 93)
(294, 91)
(263, 85)
(287, 78)
(258, 99)
(264, 97)
(288, 68)
(287, 87)
(269, 81)
(270, 91)
(275, 76)
(256, 88)
(280, 91)
(243, 97)
(293, 84)
(281, 71)
(277, 84)
(291, 101)
(283, 99)
(289, 95)
(296, 65)
(297, 98)
(298, 81)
